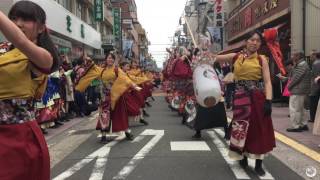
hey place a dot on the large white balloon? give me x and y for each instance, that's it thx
(206, 85)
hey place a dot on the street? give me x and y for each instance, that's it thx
(162, 150)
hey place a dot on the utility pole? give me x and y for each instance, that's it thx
(198, 29)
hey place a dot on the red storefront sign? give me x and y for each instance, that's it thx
(254, 13)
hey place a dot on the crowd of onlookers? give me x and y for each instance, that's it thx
(303, 89)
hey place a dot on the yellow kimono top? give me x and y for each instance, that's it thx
(137, 76)
(16, 80)
(121, 83)
(134, 72)
(248, 68)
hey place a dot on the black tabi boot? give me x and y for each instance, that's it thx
(197, 135)
(104, 139)
(145, 113)
(129, 136)
(244, 162)
(142, 121)
(184, 119)
(44, 131)
(148, 104)
(258, 168)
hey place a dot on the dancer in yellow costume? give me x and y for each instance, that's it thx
(112, 108)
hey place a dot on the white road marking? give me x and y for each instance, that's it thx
(138, 139)
(124, 173)
(99, 167)
(71, 132)
(189, 146)
(235, 167)
(251, 162)
(267, 176)
(101, 154)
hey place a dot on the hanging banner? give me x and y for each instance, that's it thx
(98, 10)
(116, 12)
(218, 14)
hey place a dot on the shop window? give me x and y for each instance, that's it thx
(91, 19)
(78, 9)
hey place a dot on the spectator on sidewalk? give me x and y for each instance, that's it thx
(299, 87)
(315, 89)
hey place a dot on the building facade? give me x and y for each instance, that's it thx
(296, 20)
(76, 26)
(134, 42)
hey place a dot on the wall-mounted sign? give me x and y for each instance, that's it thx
(116, 23)
(98, 10)
(218, 15)
(82, 31)
(68, 18)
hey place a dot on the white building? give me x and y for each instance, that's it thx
(71, 24)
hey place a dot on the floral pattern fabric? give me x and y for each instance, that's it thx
(16, 111)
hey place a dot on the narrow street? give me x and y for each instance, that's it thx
(162, 150)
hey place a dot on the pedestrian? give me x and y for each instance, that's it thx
(252, 133)
(23, 69)
(315, 89)
(299, 88)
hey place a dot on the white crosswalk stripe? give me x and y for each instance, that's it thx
(124, 173)
(251, 163)
(235, 167)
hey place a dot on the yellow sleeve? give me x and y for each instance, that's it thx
(93, 73)
(120, 86)
(137, 79)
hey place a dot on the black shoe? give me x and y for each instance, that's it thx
(170, 107)
(196, 136)
(129, 136)
(258, 168)
(80, 115)
(184, 119)
(148, 104)
(311, 121)
(294, 130)
(304, 128)
(104, 140)
(244, 162)
(44, 131)
(144, 122)
(145, 113)
(58, 123)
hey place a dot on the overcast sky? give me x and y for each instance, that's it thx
(160, 19)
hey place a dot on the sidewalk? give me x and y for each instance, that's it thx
(281, 122)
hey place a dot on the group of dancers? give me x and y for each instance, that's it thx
(250, 131)
(125, 93)
(25, 65)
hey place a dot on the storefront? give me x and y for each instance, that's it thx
(260, 15)
(71, 35)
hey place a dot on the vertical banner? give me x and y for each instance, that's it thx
(98, 10)
(116, 12)
(218, 17)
